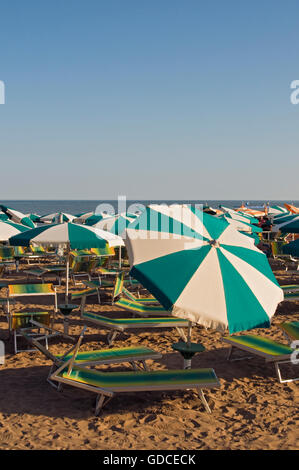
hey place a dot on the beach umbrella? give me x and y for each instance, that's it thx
(277, 210)
(239, 216)
(68, 235)
(249, 211)
(289, 224)
(56, 218)
(202, 269)
(80, 218)
(9, 229)
(293, 209)
(34, 217)
(3, 216)
(95, 218)
(17, 216)
(116, 224)
(242, 226)
(291, 248)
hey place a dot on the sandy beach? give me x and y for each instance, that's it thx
(251, 409)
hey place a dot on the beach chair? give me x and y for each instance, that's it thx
(23, 320)
(142, 300)
(107, 384)
(7, 256)
(271, 351)
(121, 325)
(83, 294)
(291, 330)
(141, 309)
(25, 290)
(135, 356)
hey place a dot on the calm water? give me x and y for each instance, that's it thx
(76, 207)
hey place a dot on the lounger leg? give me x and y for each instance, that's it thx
(15, 341)
(278, 373)
(100, 403)
(204, 401)
(111, 337)
(83, 303)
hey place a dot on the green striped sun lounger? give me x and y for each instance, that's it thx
(83, 294)
(291, 296)
(142, 300)
(270, 350)
(291, 329)
(135, 356)
(141, 309)
(107, 384)
(22, 290)
(120, 325)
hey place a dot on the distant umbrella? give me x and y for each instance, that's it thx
(17, 216)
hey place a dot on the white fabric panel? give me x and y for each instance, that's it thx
(203, 299)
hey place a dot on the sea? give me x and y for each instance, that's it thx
(74, 207)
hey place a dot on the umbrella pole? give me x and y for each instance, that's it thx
(187, 362)
(119, 258)
(67, 275)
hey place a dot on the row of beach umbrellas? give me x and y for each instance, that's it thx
(200, 267)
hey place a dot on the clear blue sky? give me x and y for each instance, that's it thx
(149, 98)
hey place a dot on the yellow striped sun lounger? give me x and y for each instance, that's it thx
(25, 290)
(121, 325)
(107, 384)
(271, 351)
(135, 356)
(291, 329)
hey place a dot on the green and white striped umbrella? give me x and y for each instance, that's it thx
(71, 235)
(241, 226)
(56, 217)
(9, 229)
(238, 216)
(277, 210)
(116, 224)
(288, 224)
(80, 218)
(68, 235)
(202, 269)
(17, 217)
(95, 218)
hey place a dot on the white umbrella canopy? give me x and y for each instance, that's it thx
(200, 268)
(9, 229)
(56, 218)
(17, 216)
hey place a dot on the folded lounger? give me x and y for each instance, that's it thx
(268, 349)
(133, 355)
(116, 325)
(107, 384)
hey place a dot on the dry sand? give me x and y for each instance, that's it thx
(251, 409)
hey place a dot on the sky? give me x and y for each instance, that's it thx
(159, 99)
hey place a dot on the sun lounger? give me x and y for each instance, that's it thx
(291, 329)
(25, 290)
(268, 349)
(141, 309)
(107, 384)
(120, 325)
(83, 294)
(135, 356)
